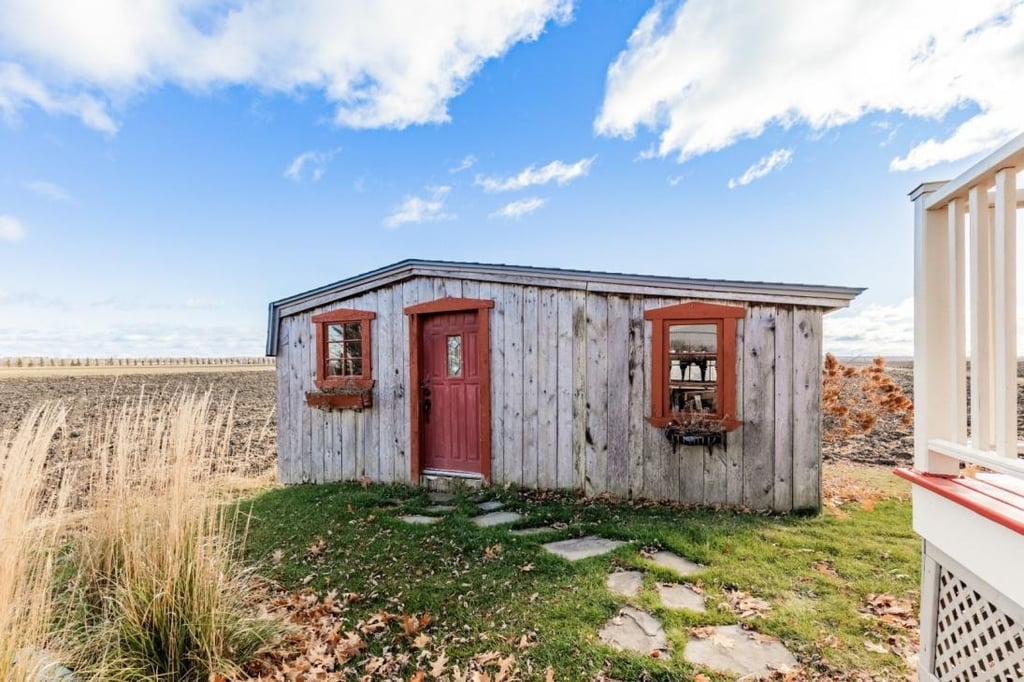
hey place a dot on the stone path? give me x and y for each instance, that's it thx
(531, 531)
(731, 649)
(676, 596)
(496, 518)
(625, 583)
(674, 562)
(582, 548)
(635, 630)
(419, 519)
(727, 649)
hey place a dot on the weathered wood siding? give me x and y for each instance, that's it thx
(570, 390)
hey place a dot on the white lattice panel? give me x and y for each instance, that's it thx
(974, 640)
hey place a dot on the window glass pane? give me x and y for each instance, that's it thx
(693, 367)
(354, 349)
(334, 332)
(335, 350)
(335, 367)
(454, 356)
(354, 367)
(353, 330)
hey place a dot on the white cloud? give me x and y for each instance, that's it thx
(517, 209)
(674, 180)
(777, 160)
(421, 210)
(11, 229)
(389, 63)
(871, 330)
(48, 190)
(310, 165)
(557, 171)
(467, 162)
(707, 74)
(18, 90)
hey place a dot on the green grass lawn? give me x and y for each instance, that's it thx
(815, 571)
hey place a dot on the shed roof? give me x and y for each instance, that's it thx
(827, 297)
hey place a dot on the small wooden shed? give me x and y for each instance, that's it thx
(698, 391)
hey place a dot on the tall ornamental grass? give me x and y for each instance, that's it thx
(160, 591)
(30, 531)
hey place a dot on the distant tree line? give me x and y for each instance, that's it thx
(37, 361)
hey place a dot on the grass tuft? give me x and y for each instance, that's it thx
(159, 591)
(28, 536)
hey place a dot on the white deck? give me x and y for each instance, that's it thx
(965, 287)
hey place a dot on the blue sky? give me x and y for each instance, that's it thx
(168, 168)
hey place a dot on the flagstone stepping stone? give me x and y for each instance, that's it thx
(582, 548)
(439, 509)
(532, 531)
(419, 519)
(490, 505)
(637, 631)
(674, 562)
(625, 583)
(675, 596)
(731, 649)
(440, 498)
(496, 518)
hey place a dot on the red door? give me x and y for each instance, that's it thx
(450, 382)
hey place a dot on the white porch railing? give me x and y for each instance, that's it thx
(972, 590)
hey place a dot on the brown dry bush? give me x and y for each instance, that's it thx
(855, 399)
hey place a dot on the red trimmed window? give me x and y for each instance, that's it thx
(693, 363)
(343, 349)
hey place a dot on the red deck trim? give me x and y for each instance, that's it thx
(968, 493)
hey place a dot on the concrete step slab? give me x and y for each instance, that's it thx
(496, 518)
(674, 562)
(419, 519)
(625, 583)
(582, 548)
(637, 631)
(731, 649)
(676, 596)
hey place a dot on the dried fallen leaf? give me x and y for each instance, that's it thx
(875, 646)
(437, 667)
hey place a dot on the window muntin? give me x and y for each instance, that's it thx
(343, 349)
(693, 367)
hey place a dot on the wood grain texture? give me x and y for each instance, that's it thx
(617, 338)
(564, 407)
(806, 409)
(782, 488)
(512, 461)
(495, 292)
(547, 389)
(734, 452)
(759, 408)
(635, 409)
(531, 388)
(579, 389)
(596, 435)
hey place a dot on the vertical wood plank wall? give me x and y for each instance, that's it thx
(570, 391)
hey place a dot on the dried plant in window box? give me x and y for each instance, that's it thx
(354, 396)
(697, 428)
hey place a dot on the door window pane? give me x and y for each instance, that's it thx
(693, 367)
(454, 356)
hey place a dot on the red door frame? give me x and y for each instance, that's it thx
(450, 305)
